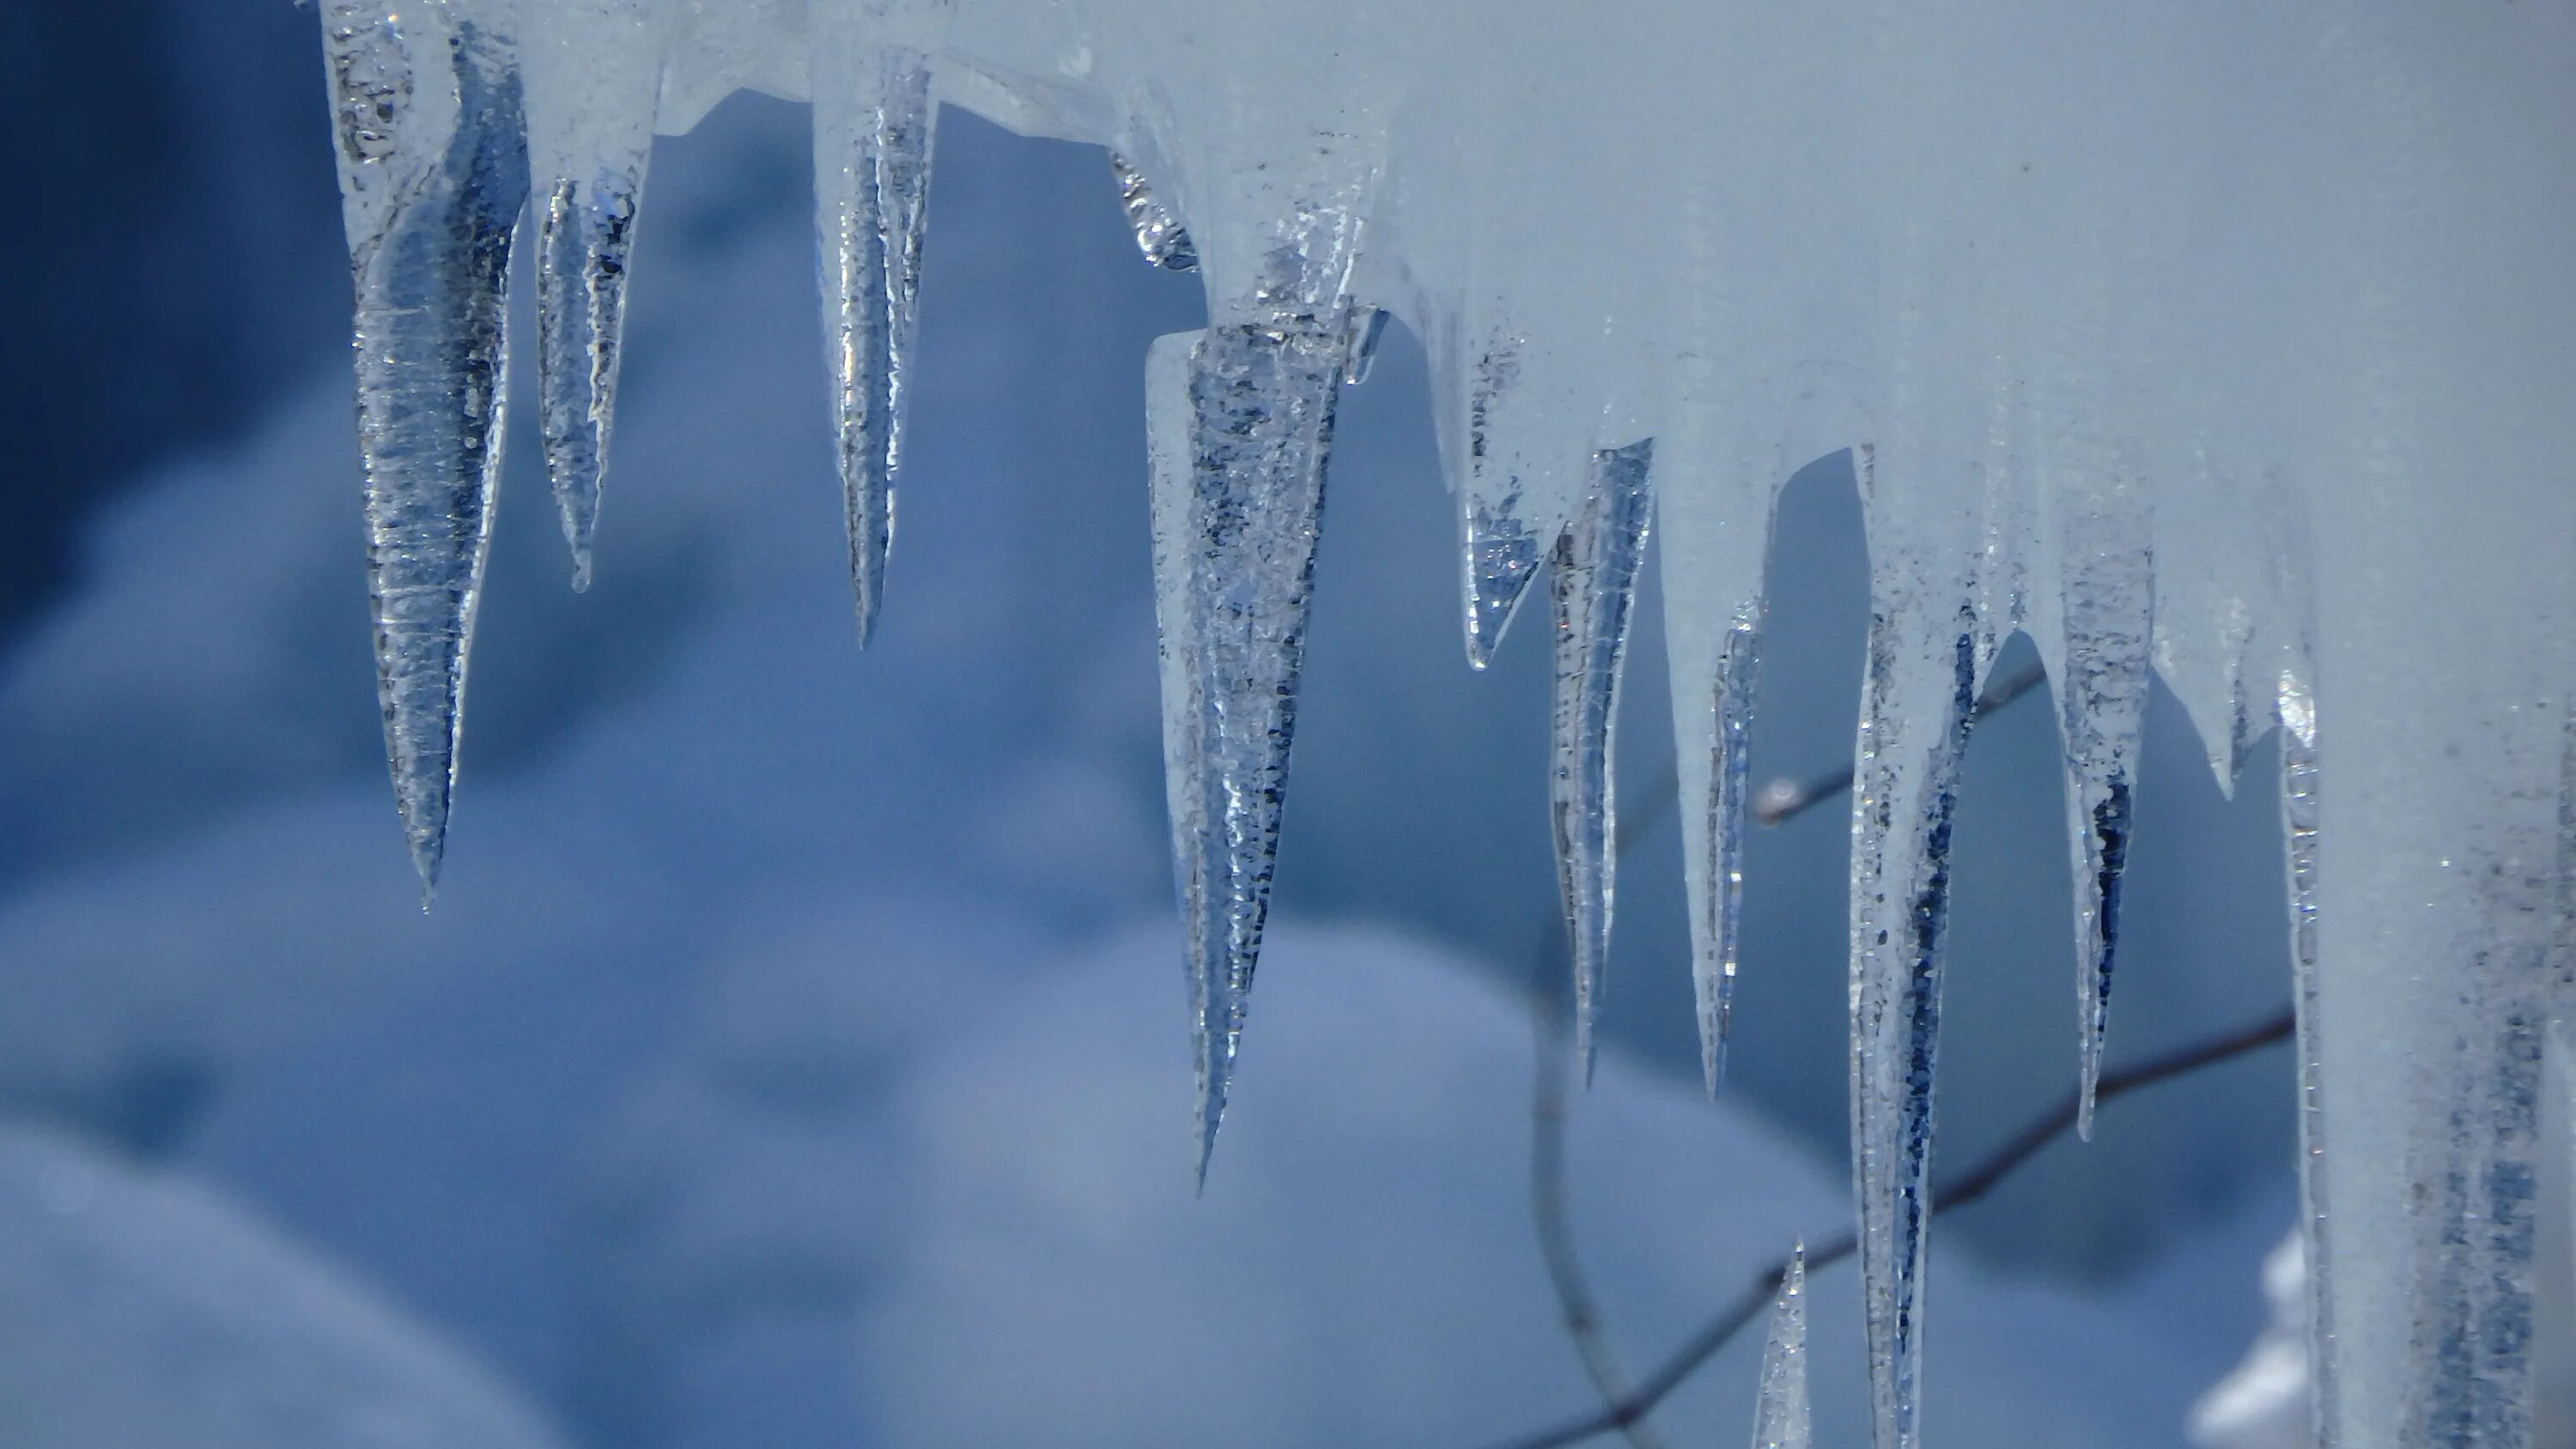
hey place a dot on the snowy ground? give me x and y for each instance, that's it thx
(797, 1053)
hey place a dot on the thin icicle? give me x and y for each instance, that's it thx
(594, 76)
(1780, 1418)
(1713, 527)
(1714, 792)
(2294, 709)
(872, 136)
(1215, 1006)
(1240, 422)
(1916, 704)
(433, 173)
(2299, 819)
(1500, 544)
(1593, 583)
(2106, 610)
(1159, 234)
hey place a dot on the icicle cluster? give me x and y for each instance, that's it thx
(2228, 344)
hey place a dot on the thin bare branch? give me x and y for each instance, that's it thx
(1785, 799)
(1980, 1179)
(1576, 1308)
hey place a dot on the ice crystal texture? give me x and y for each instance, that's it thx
(2229, 344)
(1780, 1418)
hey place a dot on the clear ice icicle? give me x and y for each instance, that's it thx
(1159, 234)
(872, 137)
(1780, 1417)
(1239, 420)
(1593, 583)
(594, 74)
(1500, 544)
(1916, 702)
(433, 177)
(2107, 612)
(1713, 530)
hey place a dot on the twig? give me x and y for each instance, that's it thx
(1976, 1182)
(1785, 799)
(1576, 1308)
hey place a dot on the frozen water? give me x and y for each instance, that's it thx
(596, 77)
(872, 132)
(1592, 578)
(1240, 417)
(1162, 239)
(1780, 1417)
(2105, 612)
(2126, 314)
(433, 169)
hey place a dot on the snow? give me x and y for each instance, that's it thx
(138, 1307)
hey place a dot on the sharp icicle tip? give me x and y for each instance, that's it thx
(1780, 1418)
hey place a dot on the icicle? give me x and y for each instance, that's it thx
(1240, 420)
(1593, 580)
(1713, 519)
(1916, 704)
(1216, 1005)
(433, 175)
(872, 134)
(594, 75)
(1368, 324)
(1780, 1419)
(1159, 234)
(2299, 818)
(2106, 618)
(1507, 513)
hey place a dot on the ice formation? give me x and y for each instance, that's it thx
(1780, 1417)
(2232, 344)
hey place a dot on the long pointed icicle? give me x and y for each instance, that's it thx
(1215, 1006)
(1240, 422)
(433, 176)
(872, 137)
(1593, 581)
(595, 74)
(2107, 606)
(1780, 1416)
(1916, 702)
(1713, 531)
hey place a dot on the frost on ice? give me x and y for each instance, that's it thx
(2229, 344)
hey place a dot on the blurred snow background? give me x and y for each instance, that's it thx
(797, 1054)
